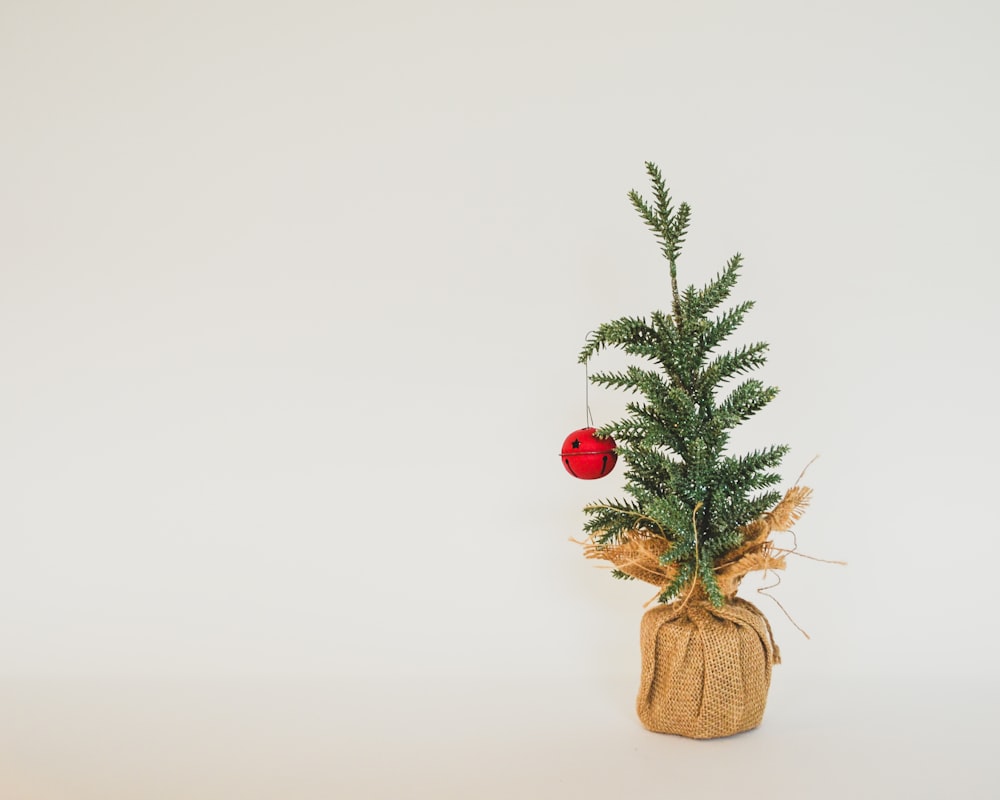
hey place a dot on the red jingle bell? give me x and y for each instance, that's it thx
(586, 456)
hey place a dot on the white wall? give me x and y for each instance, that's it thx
(291, 297)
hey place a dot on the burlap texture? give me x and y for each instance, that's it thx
(637, 552)
(706, 671)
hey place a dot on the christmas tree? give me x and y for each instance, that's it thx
(696, 517)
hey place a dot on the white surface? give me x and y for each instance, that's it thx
(290, 302)
(489, 739)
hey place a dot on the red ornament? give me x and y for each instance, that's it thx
(587, 457)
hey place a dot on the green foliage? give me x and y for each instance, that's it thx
(609, 519)
(681, 483)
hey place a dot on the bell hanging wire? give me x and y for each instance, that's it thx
(586, 382)
(586, 378)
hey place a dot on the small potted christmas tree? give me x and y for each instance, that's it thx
(697, 519)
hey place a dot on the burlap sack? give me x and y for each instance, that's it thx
(705, 670)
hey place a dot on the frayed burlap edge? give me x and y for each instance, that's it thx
(637, 552)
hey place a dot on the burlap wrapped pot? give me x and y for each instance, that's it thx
(706, 671)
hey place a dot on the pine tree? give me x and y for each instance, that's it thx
(686, 492)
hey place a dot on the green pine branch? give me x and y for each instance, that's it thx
(744, 401)
(631, 334)
(718, 330)
(700, 302)
(729, 365)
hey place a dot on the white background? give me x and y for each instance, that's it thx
(291, 297)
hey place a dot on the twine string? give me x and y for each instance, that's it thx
(766, 592)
